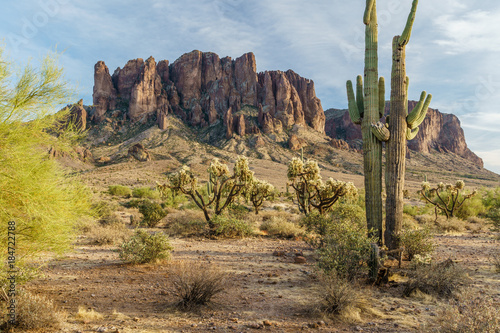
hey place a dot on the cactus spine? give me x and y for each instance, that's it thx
(366, 110)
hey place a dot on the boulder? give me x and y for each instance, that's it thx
(140, 153)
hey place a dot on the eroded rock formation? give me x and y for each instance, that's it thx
(200, 87)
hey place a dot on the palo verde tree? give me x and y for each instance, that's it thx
(311, 193)
(35, 192)
(446, 198)
(222, 188)
(399, 127)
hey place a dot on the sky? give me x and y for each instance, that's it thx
(453, 53)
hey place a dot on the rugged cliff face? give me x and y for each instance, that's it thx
(439, 132)
(200, 88)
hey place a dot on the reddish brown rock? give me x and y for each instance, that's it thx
(278, 126)
(78, 116)
(267, 123)
(186, 75)
(239, 123)
(196, 115)
(339, 144)
(212, 113)
(311, 105)
(104, 96)
(228, 123)
(163, 70)
(125, 79)
(245, 72)
(140, 153)
(146, 91)
(295, 143)
(257, 142)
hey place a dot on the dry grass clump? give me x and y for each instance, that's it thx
(186, 223)
(339, 294)
(425, 219)
(110, 234)
(470, 312)
(35, 312)
(442, 279)
(195, 284)
(280, 227)
(452, 224)
(417, 242)
(87, 315)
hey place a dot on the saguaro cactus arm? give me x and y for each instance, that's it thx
(411, 133)
(405, 36)
(417, 116)
(354, 112)
(368, 11)
(381, 96)
(381, 132)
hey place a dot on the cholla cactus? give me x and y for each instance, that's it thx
(311, 192)
(222, 187)
(447, 198)
(258, 191)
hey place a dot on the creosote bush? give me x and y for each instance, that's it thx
(416, 242)
(195, 284)
(145, 192)
(144, 248)
(152, 213)
(226, 226)
(280, 227)
(120, 190)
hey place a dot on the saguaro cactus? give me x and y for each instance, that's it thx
(399, 128)
(365, 108)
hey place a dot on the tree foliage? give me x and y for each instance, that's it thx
(35, 191)
(311, 192)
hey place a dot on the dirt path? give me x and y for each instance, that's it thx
(266, 288)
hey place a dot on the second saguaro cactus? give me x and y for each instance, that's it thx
(365, 108)
(399, 128)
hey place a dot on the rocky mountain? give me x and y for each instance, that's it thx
(202, 88)
(439, 132)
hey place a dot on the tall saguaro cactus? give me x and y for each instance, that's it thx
(399, 128)
(365, 109)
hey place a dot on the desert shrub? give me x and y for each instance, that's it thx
(339, 295)
(226, 226)
(472, 207)
(120, 190)
(411, 210)
(144, 248)
(425, 219)
(35, 312)
(416, 242)
(280, 227)
(186, 222)
(105, 212)
(345, 250)
(323, 225)
(152, 213)
(470, 312)
(441, 279)
(491, 201)
(86, 315)
(109, 234)
(195, 284)
(447, 198)
(238, 211)
(452, 224)
(409, 222)
(145, 192)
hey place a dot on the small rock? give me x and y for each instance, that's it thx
(234, 320)
(267, 323)
(194, 325)
(358, 329)
(300, 260)
(101, 329)
(136, 319)
(313, 325)
(255, 325)
(321, 323)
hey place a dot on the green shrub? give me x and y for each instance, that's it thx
(144, 248)
(152, 212)
(105, 212)
(120, 190)
(345, 250)
(417, 241)
(172, 200)
(453, 224)
(186, 223)
(226, 226)
(472, 207)
(280, 227)
(442, 279)
(134, 203)
(145, 192)
(108, 234)
(195, 284)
